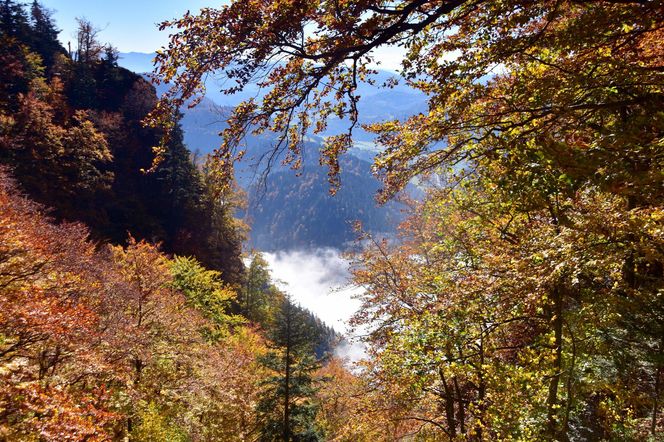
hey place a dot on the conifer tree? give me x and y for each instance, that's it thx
(44, 36)
(287, 408)
(13, 20)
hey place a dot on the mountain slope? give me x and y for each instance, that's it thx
(295, 211)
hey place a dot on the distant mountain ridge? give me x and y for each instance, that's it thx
(295, 210)
(376, 103)
(138, 62)
(298, 212)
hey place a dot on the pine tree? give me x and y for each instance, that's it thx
(287, 408)
(13, 21)
(44, 36)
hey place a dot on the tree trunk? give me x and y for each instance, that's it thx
(449, 405)
(481, 391)
(553, 429)
(287, 381)
(658, 387)
(462, 409)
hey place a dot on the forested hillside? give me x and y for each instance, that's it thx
(112, 342)
(522, 299)
(126, 311)
(292, 210)
(73, 136)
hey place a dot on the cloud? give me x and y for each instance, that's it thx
(351, 351)
(320, 282)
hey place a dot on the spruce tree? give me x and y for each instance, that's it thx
(13, 21)
(44, 36)
(287, 408)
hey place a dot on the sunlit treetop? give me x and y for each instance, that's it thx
(493, 70)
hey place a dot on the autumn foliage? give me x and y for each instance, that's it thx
(88, 334)
(523, 298)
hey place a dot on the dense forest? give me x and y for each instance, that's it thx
(288, 210)
(522, 299)
(126, 308)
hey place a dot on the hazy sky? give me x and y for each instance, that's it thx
(131, 25)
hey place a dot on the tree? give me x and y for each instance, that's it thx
(355, 409)
(225, 232)
(98, 344)
(83, 85)
(191, 374)
(55, 374)
(15, 77)
(451, 49)
(44, 151)
(13, 20)
(287, 408)
(44, 35)
(111, 56)
(511, 324)
(88, 47)
(206, 292)
(20, 67)
(72, 132)
(109, 342)
(259, 300)
(232, 388)
(543, 120)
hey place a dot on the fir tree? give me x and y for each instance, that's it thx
(287, 408)
(44, 36)
(14, 21)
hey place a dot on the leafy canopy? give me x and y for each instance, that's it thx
(512, 71)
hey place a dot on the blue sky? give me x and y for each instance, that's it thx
(129, 25)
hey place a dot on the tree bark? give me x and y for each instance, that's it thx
(462, 409)
(449, 405)
(658, 387)
(287, 380)
(553, 428)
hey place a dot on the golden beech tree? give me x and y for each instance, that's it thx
(163, 338)
(207, 381)
(555, 73)
(504, 324)
(354, 407)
